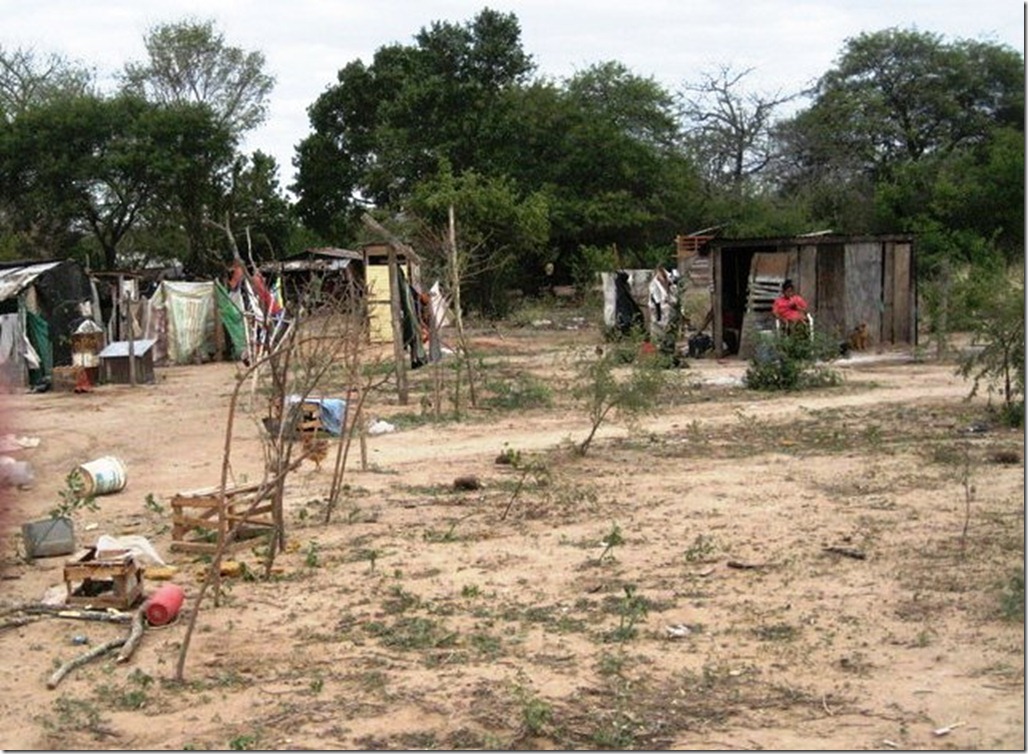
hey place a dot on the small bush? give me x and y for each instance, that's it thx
(793, 362)
(1012, 601)
(522, 392)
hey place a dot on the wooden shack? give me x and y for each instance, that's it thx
(846, 280)
(378, 286)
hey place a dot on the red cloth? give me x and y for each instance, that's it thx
(790, 308)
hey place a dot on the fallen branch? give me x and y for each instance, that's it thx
(849, 552)
(135, 634)
(59, 611)
(82, 660)
(19, 621)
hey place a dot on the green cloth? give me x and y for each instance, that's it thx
(38, 331)
(232, 319)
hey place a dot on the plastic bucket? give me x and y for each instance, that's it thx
(164, 604)
(102, 476)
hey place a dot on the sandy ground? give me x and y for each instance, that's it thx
(428, 617)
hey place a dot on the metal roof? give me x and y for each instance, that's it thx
(14, 280)
(119, 348)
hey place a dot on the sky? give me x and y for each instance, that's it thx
(788, 44)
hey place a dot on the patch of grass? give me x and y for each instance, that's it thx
(71, 715)
(523, 391)
(1012, 597)
(400, 601)
(434, 535)
(245, 742)
(702, 549)
(777, 632)
(411, 633)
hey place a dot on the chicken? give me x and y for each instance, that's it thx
(314, 449)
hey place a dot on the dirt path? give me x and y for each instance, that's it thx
(424, 617)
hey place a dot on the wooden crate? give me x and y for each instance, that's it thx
(64, 379)
(199, 521)
(112, 578)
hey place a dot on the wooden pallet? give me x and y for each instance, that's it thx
(199, 520)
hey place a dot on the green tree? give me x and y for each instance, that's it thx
(605, 391)
(385, 126)
(500, 232)
(191, 62)
(90, 167)
(997, 355)
(28, 79)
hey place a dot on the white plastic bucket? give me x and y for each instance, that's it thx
(102, 476)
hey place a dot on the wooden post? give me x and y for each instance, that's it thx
(397, 318)
(126, 312)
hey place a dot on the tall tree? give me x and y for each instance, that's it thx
(190, 62)
(95, 167)
(729, 130)
(386, 125)
(28, 78)
(887, 126)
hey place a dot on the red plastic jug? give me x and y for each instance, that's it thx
(164, 604)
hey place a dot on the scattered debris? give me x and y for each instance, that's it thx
(380, 427)
(15, 473)
(138, 544)
(976, 428)
(11, 443)
(849, 552)
(678, 631)
(159, 573)
(946, 729)
(469, 482)
(1005, 456)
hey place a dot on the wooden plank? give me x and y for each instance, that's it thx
(716, 303)
(806, 277)
(864, 287)
(903, 298)
(887, 333)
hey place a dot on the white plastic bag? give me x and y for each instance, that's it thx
(139, 545)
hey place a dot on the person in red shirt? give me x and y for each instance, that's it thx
(790, 307)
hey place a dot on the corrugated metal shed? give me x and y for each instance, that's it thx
(13, 280)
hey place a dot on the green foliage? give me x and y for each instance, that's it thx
(189, 62)
(244, 742)
(603, 392)
(1012, 598)
(106, 167)
(792, 362)
(523, 391)
(913, 133)
(631, 609)
(612, 540)
(997, 355)
(73, 497)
